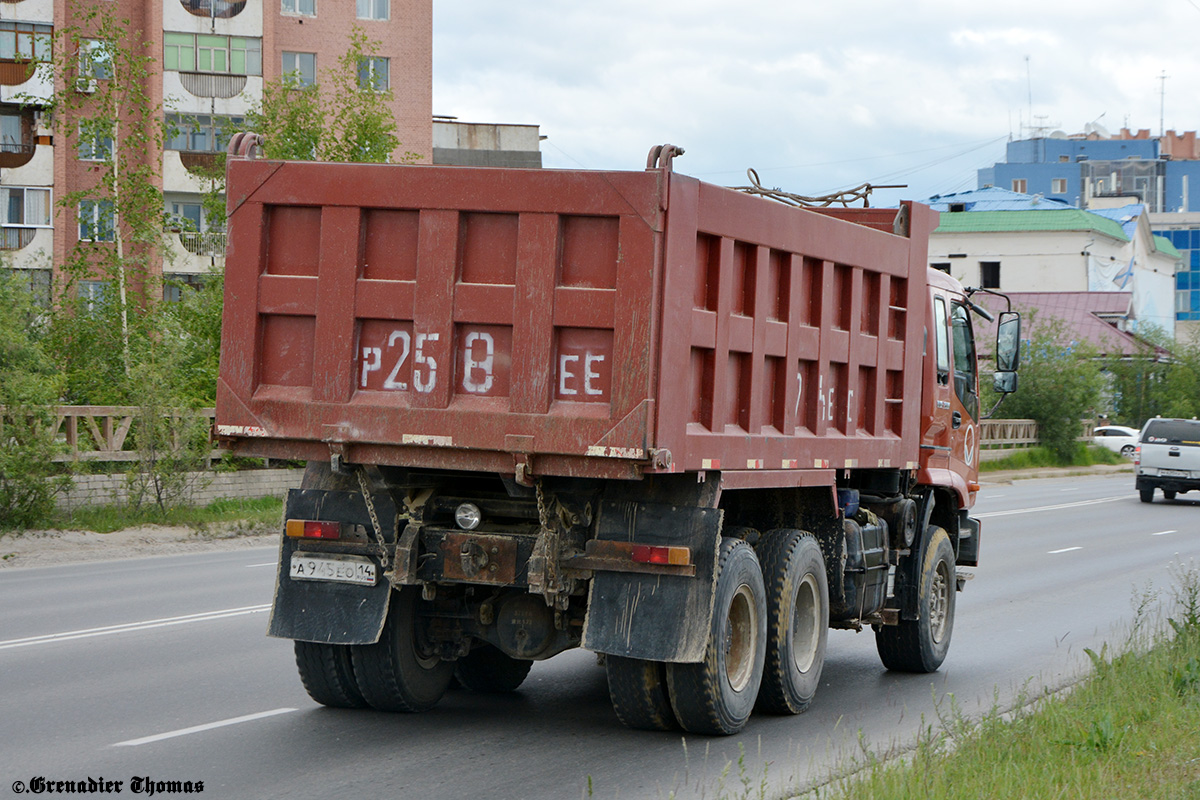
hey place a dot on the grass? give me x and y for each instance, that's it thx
(245, 514)
(1131, 730)
(1085, 456)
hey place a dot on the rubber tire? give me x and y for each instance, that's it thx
(639, 694)
(328, 674)
(793, 570)
(1147, 495)
(1168, 494)
(911, 646)
(703, 697)
(391, 674)
(490, 670)
(1127, 451)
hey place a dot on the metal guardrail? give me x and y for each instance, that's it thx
(206, 243)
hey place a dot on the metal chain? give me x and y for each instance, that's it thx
(549, 536)
(366, 493)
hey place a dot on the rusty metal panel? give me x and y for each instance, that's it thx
(395, 308)
(590, 322)
(796, 336)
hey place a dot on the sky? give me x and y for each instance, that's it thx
(815, 96)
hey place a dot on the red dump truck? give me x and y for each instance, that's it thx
(686, 428)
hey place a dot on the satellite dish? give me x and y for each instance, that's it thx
(1058, 134)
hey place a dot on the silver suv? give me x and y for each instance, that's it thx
(1168, 457)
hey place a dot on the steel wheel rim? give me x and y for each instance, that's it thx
(806, 624)
(741, 639)
(939, 601)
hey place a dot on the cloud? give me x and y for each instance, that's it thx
(820, 95)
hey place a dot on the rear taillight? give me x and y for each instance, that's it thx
(649, 554)
(313, 529)
(1137, 455)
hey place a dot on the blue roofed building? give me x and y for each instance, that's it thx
(1127, 177)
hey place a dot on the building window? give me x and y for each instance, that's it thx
(307, 8)
(1058, 186)
(942, 267)
(20, 205)
(373, 9)
(1018, 185)
(22, 211)
(95, 140)
(201, 52)
(200, 133)
(13, 138)
(300, 68)
(92, 293)
(36, 280)
(176, 284)
(25, 41)
(373, 74)
(989, 274)
(1063, 159)
(95, 60)
(97, 221)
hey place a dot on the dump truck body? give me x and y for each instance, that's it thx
(545, 409)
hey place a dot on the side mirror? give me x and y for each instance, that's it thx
(1008, 343)
(1004, 382)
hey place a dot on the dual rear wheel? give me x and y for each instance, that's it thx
(766, 644)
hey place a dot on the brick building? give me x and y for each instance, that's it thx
(208, 62)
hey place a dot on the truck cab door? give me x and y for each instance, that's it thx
(964, 397)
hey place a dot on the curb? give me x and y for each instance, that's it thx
(1005, 477)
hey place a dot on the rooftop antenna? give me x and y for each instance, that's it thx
(1162, 103)
(1029, 88)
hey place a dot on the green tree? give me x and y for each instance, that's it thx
(29, 388)
(344, 116)
(104, 316)
(1161, 379)
(1060, 385)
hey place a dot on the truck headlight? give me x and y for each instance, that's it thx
(468, 516)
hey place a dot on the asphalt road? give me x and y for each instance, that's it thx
(159, 668)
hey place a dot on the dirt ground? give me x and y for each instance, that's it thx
(47, 548)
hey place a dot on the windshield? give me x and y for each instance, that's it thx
(1173, 431)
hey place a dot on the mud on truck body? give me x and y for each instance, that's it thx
(683, 427)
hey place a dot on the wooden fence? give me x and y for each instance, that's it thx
(102, 433)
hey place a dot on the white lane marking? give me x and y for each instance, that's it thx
(158, 737)
(127, 627)
(1051, 508)
(1163, 533)
(1064, 550)
(265, 564)
(1071, 489)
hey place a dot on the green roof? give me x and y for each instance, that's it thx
(1057, 219)
(1165, 247)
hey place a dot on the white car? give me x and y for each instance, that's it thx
(1117, 438)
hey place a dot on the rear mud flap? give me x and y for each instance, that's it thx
(324, 611)
(655, 617)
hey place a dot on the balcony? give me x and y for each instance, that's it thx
(203, 243)
(194, 253)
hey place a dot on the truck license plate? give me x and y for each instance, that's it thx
(341, 569)
(1174, 473)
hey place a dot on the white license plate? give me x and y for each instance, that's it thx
(1174, 473)
(340, 569)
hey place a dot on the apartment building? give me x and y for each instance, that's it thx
(208, 61)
